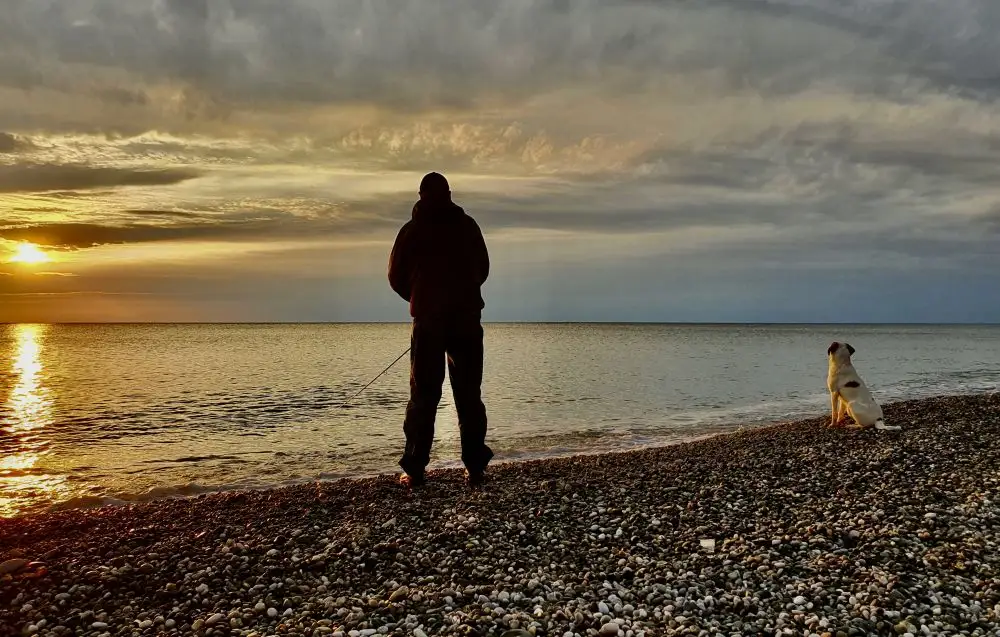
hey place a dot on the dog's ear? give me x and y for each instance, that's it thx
(833, 348)
(850, 349)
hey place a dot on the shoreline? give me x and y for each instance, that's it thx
(195, 491)
(715, 427)
(191, 490)
(816, 531)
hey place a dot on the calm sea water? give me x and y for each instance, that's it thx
(92, 414)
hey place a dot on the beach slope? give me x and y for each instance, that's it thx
(815, 531)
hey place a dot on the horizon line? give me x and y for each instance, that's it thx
(514, 322)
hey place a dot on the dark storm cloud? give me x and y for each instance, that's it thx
(85, 235)
(251, 225)
(409, 54)
(47, 177)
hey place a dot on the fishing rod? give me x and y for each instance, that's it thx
(344, 404)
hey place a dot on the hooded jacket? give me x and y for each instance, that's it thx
(439, 262)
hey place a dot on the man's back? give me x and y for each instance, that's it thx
(439, 261)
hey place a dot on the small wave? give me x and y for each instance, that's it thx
(181, 491)
(22, 472)
(85, 502)
(126, 498)
(190, 459)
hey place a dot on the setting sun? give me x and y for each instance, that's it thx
(29, 253)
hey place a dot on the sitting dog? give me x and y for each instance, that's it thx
(848, 393)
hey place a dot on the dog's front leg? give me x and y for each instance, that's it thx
(834, 409)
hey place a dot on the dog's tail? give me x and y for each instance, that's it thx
(880, 424)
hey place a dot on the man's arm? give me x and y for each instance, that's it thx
(482, 255)
(399, 264)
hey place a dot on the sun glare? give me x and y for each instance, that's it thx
(29, 253)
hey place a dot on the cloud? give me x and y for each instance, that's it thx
(12, 143)
(85, 235)
(728, 138)
(179, 214)
(178, 64)
(260, 224)
(52, 177)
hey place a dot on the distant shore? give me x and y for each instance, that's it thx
(815, 531)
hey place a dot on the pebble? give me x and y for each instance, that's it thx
(214, 619)
(13, 565)
(399, 594)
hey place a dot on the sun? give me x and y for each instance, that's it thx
(29, 253)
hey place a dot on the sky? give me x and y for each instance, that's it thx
(627, 160)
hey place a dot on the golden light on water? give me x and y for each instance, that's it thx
(26, 413)
(29, 402)
(29, 254)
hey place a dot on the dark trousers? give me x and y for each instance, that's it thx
(460, 341)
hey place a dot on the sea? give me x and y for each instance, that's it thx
(109, 414)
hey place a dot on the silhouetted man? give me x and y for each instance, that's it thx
(438, 264)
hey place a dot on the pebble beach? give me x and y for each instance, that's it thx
(789, 529)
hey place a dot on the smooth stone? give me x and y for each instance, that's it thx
(214, 619)
(13, 566)
(610, 629)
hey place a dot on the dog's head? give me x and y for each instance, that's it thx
(840, 352)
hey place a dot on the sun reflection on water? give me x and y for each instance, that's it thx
(27, 412)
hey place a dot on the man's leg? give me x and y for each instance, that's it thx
(465, 369)
(427, 349)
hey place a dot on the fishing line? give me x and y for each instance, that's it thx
(344, 404)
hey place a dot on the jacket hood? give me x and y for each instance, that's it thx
(436, 211)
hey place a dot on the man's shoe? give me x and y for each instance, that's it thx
(475, 478)
(412, 481)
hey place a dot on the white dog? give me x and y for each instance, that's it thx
(848, 393)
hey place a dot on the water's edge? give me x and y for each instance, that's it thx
(195, 490)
